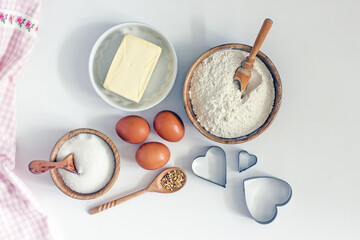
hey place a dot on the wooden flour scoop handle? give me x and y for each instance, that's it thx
(39, 166)
(243, 73)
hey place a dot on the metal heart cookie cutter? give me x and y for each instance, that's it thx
(211, 166)
(263, 195)
(246, 160)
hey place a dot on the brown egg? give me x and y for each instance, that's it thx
(169, 126)
(133, 129)
(152, 155)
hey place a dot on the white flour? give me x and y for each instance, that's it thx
(216, 98)
(93, 159)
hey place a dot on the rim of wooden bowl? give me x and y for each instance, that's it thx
(277, 102)
(58, 180)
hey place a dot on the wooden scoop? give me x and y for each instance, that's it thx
(243, 73)
(39, 166)
(155, 186)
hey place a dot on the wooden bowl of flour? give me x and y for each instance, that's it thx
(57, 178)
(189, 107)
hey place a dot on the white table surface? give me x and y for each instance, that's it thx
(313, 143)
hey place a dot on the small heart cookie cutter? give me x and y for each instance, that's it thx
(246, 160)
(263, 195)
(211, 166)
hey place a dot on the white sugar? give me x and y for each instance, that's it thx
(93, 159)
(216, 98)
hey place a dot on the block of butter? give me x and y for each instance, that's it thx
(132, 66)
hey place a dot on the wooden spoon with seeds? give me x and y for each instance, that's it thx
(39, 166)
(243, 73)
(162, 184)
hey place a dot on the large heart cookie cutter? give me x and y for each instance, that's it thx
(263, 195)
(211, 166)
(246, 160)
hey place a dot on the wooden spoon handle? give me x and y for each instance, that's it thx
(115, 202)
(260, 38)
(39, 166)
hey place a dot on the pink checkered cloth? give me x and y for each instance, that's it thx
(20, 216)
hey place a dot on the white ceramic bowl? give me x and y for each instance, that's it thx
(162, 79)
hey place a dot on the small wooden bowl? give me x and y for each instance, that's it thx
(58, 180)
(261, 129)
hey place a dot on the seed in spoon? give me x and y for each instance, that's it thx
(173, 180)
